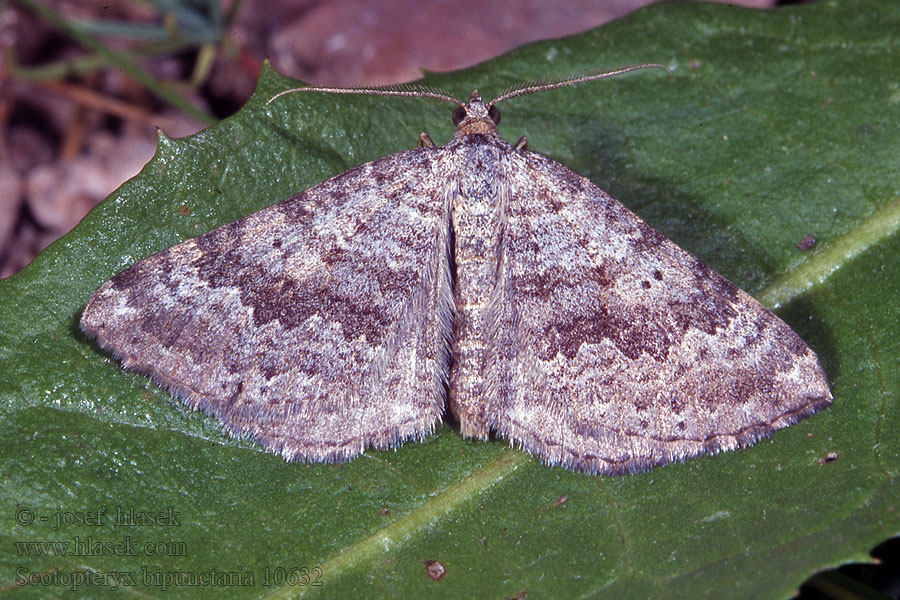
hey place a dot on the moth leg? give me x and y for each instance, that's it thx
(522, 144)
(425, 141)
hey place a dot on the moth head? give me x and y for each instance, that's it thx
(476, 116)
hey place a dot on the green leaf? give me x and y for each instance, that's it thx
(773, 125)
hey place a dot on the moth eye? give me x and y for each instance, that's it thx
(458, 115)
(494, 114)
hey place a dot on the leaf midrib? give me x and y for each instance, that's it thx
(813, 272)
(428, 513)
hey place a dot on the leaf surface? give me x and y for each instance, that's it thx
(772, 126)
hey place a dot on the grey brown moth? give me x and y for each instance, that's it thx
(477, 275)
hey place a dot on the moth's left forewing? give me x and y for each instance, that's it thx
(617, 350)
(294, 324)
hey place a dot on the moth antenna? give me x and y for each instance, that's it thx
(406, 91)
(530, 87)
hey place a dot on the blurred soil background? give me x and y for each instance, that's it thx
(85, 83)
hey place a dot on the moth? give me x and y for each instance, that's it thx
(479, 276)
